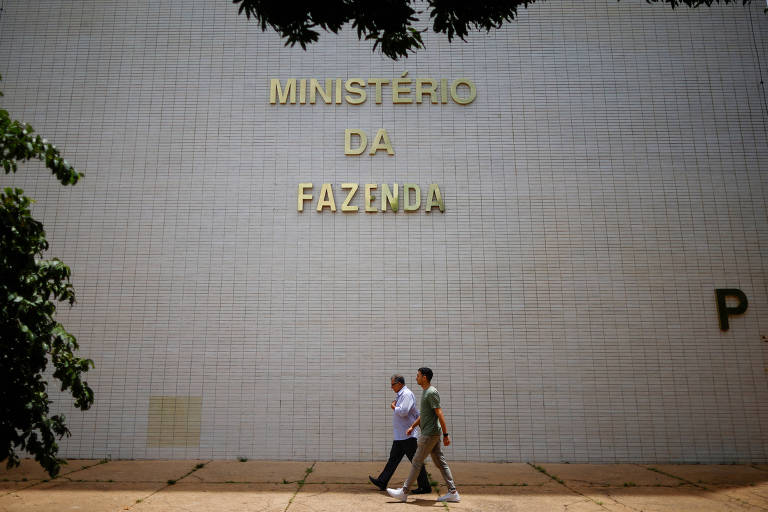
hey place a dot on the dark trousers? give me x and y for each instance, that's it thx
(405, 447)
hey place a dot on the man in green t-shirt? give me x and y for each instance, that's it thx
(432, 423)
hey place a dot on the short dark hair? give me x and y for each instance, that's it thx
(426, 372)
(399, 378)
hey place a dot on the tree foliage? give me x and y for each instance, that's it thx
(30, 337)
(390, 23)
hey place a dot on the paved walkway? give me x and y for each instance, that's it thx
(169, 485)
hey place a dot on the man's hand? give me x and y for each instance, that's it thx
(394, 402)
(408, 432)
(447, 440)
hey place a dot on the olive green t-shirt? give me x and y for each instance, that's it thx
(430, 400)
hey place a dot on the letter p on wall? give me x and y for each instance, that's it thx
(723, 310)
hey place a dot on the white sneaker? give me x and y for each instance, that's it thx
(398, 494)
(451, 496)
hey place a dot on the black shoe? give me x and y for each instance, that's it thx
(377, 483)
(428, 490)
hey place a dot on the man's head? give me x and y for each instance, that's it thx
(424, 376)
(398, 381)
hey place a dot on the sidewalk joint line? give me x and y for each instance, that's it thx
(655, 470)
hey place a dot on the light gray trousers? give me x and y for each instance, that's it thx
(429, 445)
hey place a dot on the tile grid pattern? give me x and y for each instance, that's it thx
(609, 176)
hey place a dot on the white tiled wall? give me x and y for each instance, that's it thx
(609, 176)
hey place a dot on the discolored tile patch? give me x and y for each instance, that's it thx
(174, 421)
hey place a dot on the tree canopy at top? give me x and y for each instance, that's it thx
(390, 23)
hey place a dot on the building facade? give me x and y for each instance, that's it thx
(542, 215)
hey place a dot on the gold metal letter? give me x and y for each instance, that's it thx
(302, 196)
(276, 91)
(348, 133)
(397, 91)
(338, 91)
(472, 91)
(421, 90)
(370, 198)
(314, 87)
(443, 91)
(378, 82)
(355, 90)
(387, 196)
(352, 187)
(408, 206)
(381, 142)
(326, 198)
(434, 191)
(303, 91)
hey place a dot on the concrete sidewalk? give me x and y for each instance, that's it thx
(191, 485)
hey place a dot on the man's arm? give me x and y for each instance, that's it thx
(441, 419)
(406, 403)
(415, 424)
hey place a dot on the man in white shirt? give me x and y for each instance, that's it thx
(404, 414)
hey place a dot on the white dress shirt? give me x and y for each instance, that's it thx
(404, 415)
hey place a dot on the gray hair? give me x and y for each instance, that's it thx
(398, 378)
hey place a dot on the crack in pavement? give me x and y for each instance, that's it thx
(300, 484)
(561, 482)
(167, 485)
(47, 480)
